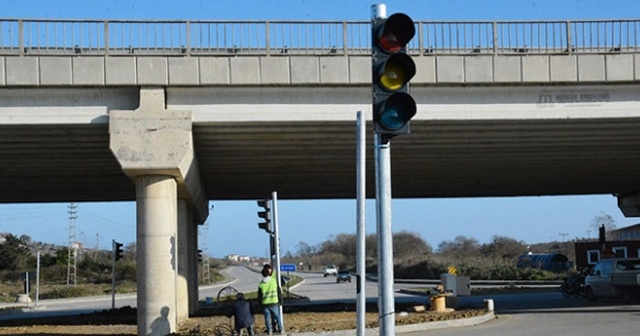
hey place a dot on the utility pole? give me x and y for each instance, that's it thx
(563, 235)
(203, 233)
(73, 245)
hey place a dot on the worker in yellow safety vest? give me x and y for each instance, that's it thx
(269, 298)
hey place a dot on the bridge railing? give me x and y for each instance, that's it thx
(271, 38)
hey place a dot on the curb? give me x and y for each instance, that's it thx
(400, 329)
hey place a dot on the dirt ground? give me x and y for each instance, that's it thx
(123, 321)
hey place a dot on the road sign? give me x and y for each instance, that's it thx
(288, 267)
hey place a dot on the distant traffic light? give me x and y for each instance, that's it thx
(266, 215)
(117, 250)
(392, 68)
(199, 255)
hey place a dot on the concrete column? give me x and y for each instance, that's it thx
(154, 147)
(157, 216)
(192, 265)
(182, 286)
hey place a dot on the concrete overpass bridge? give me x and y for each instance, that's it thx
(175, 113)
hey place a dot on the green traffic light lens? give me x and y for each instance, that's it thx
(397, 111)
(392, 120)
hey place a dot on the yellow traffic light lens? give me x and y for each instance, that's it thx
(393, 77)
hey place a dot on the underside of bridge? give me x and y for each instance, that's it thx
(316, 159)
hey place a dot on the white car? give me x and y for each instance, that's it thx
(330, 270)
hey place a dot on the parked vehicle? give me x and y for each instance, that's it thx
(343, 275)
(611, 278)
(330, 270)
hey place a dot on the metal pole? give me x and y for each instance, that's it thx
(276, 236)
(361, 306)
(113, 274)
(386, 309)
(37, 278)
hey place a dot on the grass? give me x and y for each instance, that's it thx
(9, 291)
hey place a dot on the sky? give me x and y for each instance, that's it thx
(232, 225)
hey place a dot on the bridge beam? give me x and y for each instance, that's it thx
(154, 147)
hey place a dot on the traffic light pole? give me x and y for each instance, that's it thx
(276, 237)
(393, 107)
(361, 306)
(386, 303)
(113, 274)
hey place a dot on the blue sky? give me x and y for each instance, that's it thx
(233, 225)
(317, 9)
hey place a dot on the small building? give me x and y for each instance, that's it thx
(620, 243)
(589, 253)
(554, 262)
(626, 233)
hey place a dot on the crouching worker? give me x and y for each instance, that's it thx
(242, 316)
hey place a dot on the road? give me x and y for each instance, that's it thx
(527, 314)
(315, 287)
(549, 313)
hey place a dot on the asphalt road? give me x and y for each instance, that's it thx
(540, 313)
(549, 313)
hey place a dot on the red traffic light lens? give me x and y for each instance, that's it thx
(397, 31)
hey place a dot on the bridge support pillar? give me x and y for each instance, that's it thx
(156, 254)
(182, 282)
(154, 147)
(192, 266)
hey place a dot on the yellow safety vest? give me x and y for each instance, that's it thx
(269, 291)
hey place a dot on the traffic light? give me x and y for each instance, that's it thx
(266, 215)
(199, 255)
(117, 250)
(392, 68)
(602, 234)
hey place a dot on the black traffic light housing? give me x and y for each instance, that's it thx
(392, 69)
(199, 255)
(117, 250)
(266, 215)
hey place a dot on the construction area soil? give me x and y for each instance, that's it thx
(208, 321)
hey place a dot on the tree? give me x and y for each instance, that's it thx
(603, 219)
(502, 247)
(14, 254)
(26, 239)
(305, 250)
(407, 244)
(461, 247)
(343, 243)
